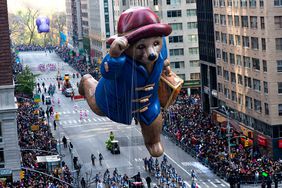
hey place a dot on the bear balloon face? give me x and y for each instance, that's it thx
(145, 51)
(43, 24)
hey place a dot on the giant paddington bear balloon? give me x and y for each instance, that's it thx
(136, 78)
(43, 24)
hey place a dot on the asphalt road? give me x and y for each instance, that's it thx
(89, 134)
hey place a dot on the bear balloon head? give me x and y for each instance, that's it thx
(43, 24)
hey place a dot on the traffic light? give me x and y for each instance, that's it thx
(22, 174)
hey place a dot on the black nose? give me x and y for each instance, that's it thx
(152, 57)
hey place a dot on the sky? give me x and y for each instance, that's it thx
(45, 7)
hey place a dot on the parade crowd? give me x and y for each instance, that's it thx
(196, 133)
(25, 48)
(78, 62)
(35, 139)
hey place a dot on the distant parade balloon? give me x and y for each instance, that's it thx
(43, 24)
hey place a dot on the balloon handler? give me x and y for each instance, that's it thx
(131, 71)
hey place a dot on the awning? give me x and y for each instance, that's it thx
(48, 159)
(279, 143)
(262, 140)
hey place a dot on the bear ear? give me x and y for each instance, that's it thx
(38, 22)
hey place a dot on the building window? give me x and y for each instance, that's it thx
(175, 39)
(232, 58)
(266, 109)
(265, 87)
(224, 56)
(244, 3)
(230, 3)
(279, 65)
(174, 13)
(230, 20)
(247, 62)
(217, 36)
(240, 98)
(222, 3)
(257, 104)
(245, 21)
(195, 76)
(194, 63)
(191, 12)
(248, 82)
(279, 87)
(239, 60)
(246, 41)
(264, 65)
(261, 3)
(222, 20)
(218, 53)
(219, 71)
(256, 84)
(182, 76)
(226, 93)
(256, 63)
(176, 26)
(156, 2)
(193, 38)
(277, 2)
(253, 3)
(2, 160)
(219, 87)
(249, 102)
(176, 52)
(216, 19)
(192, 25)
(240, 79)
(238, 40)
(262, 24)
(231, 39)
(280, 109)
(233, 78)
(254, 22)
(123, 2)
(233, 96)
(254, 42)
(177, 64)
(278, 22)
(193, 51)
(1, 136)
(172, 2)
(226, 75)
(263, 44)
(190, 1)
(278, 43)
(224, 38)
(237, 21)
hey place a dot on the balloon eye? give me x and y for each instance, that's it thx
(141, 46)
(156, 43)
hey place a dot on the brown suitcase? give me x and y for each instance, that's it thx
(169, 88)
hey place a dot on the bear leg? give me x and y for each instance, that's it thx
(87, 88)
(151, 134)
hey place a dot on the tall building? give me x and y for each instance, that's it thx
(85, 24)
(207, 54)
(101, 27)
(248, 40)
(9, 148)
(73, 22)
(183, 41)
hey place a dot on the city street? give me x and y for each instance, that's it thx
(88, 135)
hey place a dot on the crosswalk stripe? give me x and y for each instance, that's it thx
(104, 119)
(89, 120)
(79, 121)
(84, 120)
(73, 112)
(212, 183)
(94, 119)
(99, 119)
(187, 184)
(74, 121)
(70, 121)
(64, 112)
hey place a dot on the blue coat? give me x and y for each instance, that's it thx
(120, 91)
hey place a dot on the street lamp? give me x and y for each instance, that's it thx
(228, 129)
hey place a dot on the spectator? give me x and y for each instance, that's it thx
(83, 183)
(65, 142)
(100, 158)
(93, 159)
(148, 181)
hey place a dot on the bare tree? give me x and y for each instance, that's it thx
(58, 24)
(28, 20)
(16, 28)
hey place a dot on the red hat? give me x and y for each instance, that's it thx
(139, 22)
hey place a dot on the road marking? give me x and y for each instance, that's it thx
(204, 184)
(188, 185)
(212, 183)
(79, 121)
(75, 121)
(225, 183)
(135, 159)
(89, 120)
(94, 119)
(104, 119)
(129, 163)
(99, 119)
(64, 112)
(73, 112)
(84, 120)
(70, 122)
(171, 159)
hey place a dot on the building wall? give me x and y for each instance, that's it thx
(9, 148)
